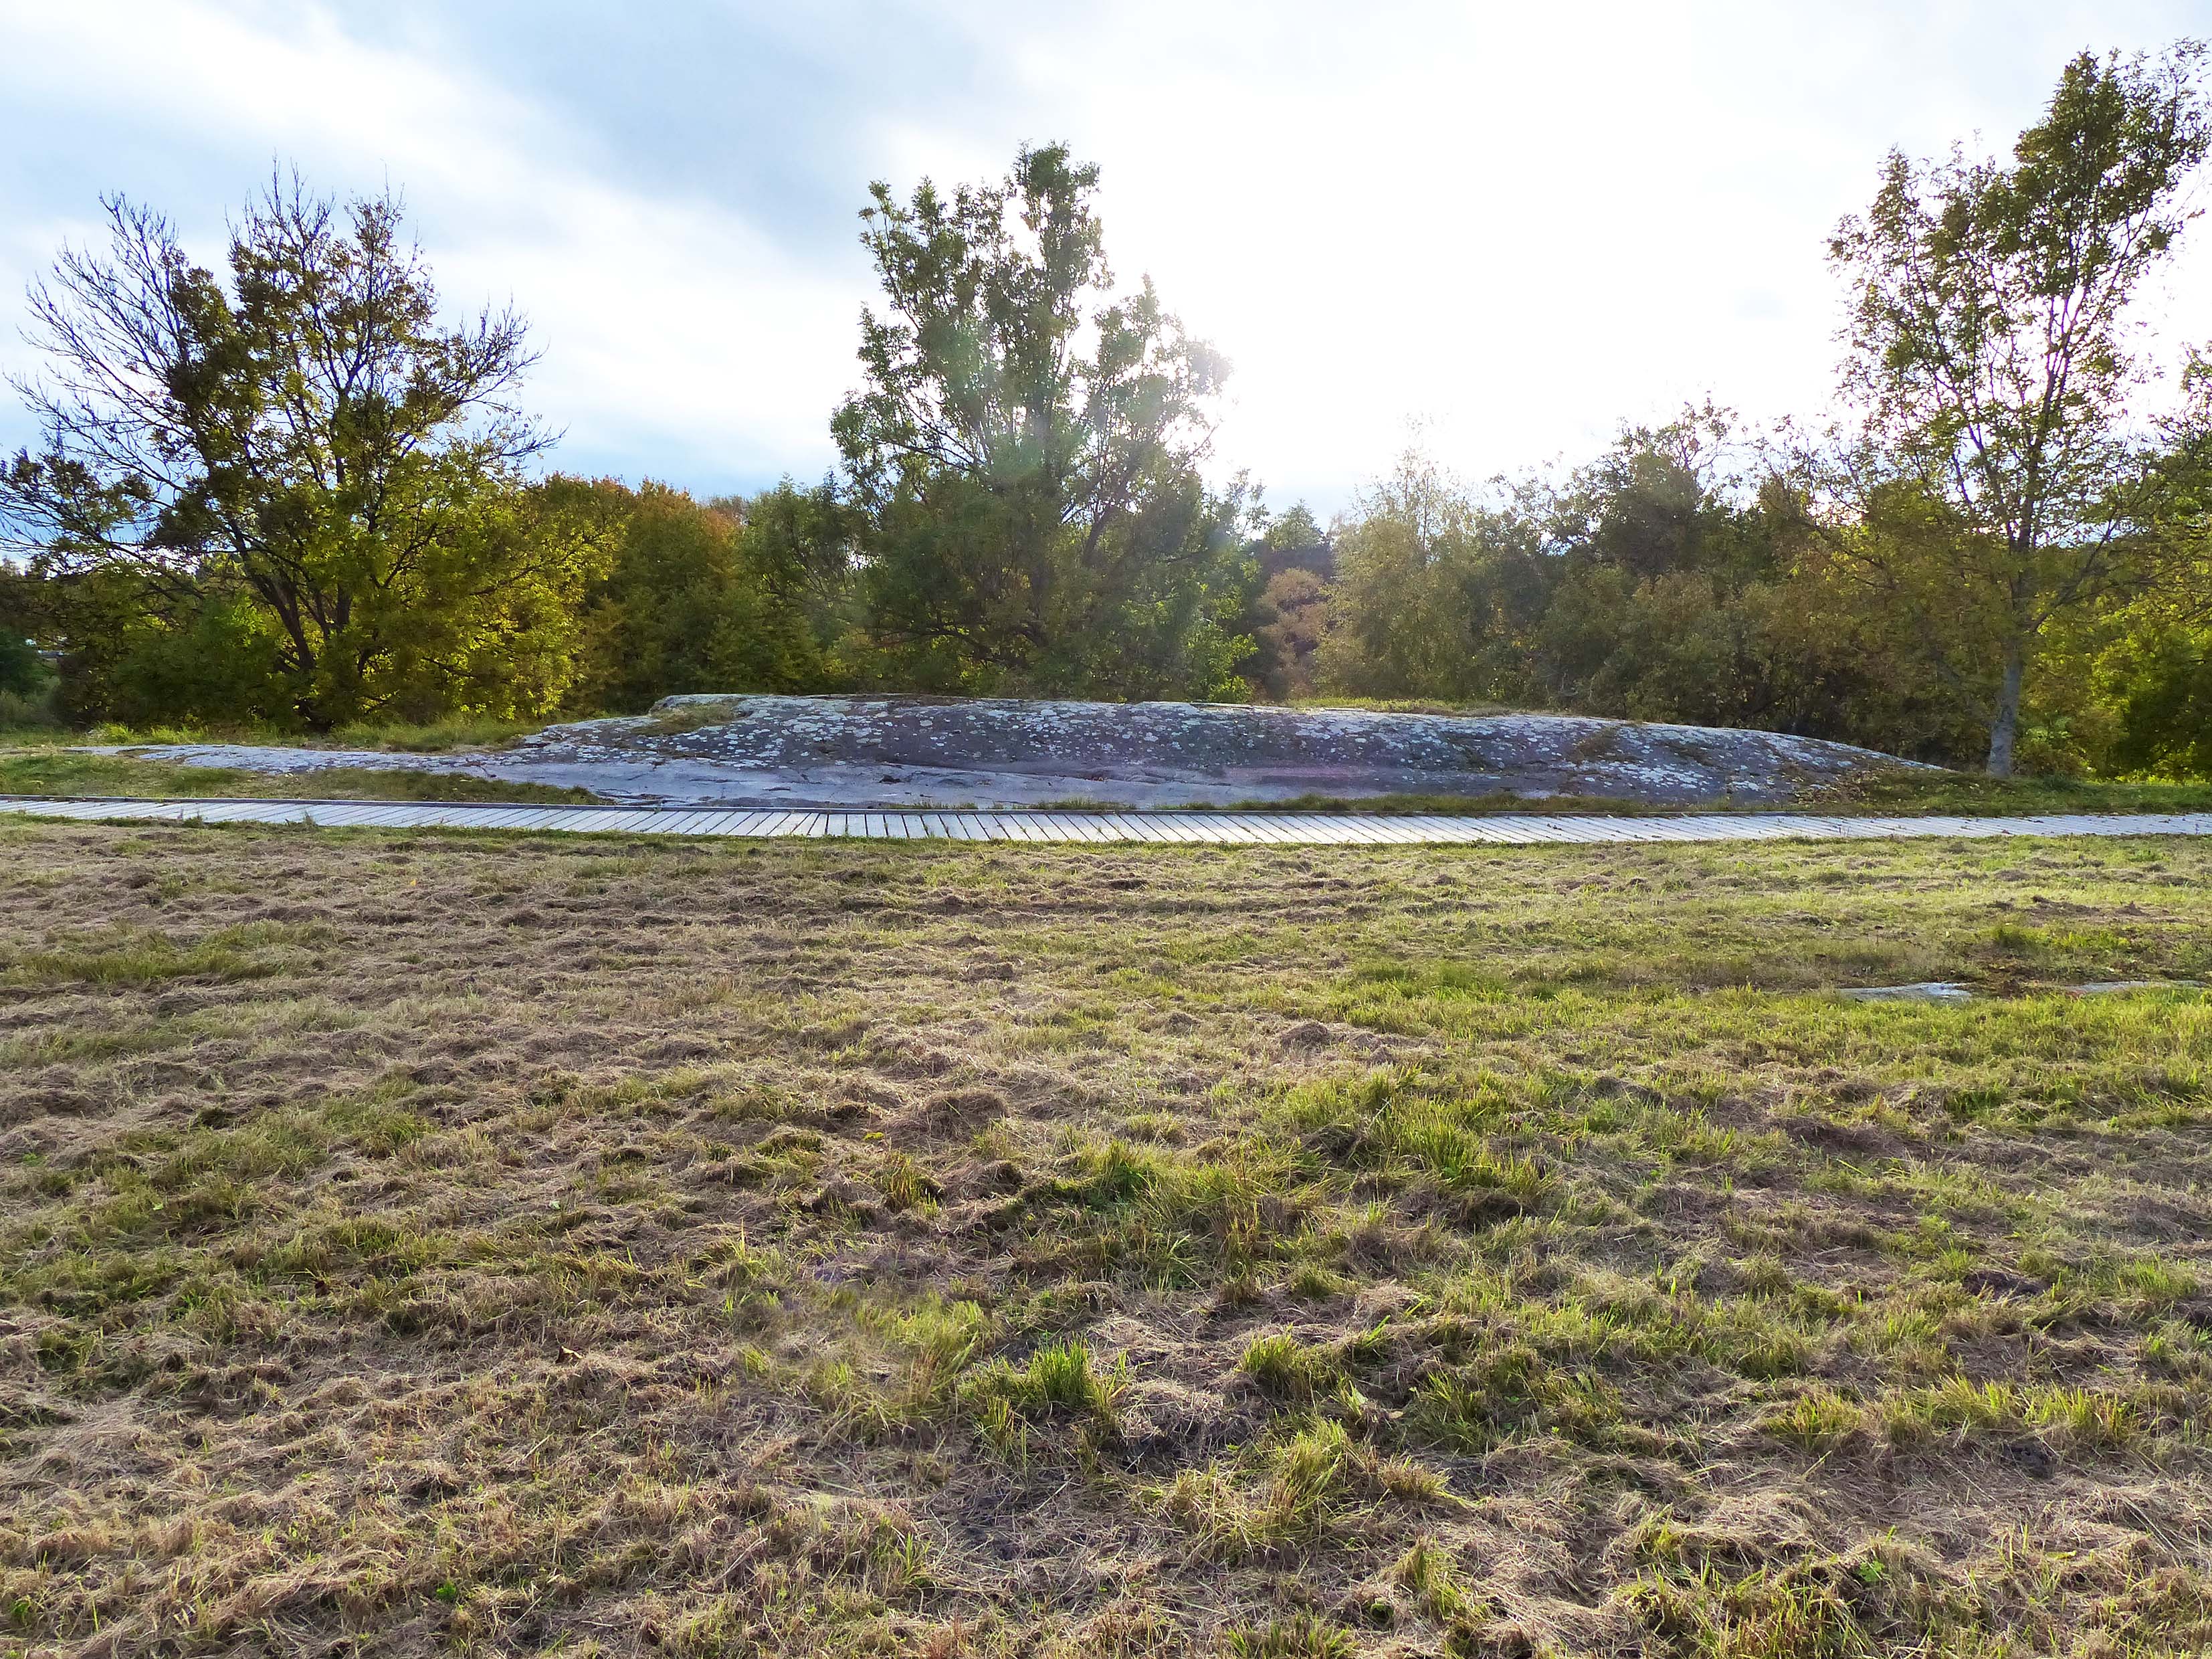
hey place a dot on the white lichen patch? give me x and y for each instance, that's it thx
(942, 751)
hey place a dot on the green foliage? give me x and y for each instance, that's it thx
(1291, 1372)
(1654, 583)
(1287, 622)
(1022, 461)
(286, 492)
(1434, 593)
(1992, 362)
(1301, 1636)
(695, 598)
(2165, 699)
(1058, 1375)
(23, 673)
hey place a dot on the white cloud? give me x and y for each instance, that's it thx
(1520, 224)
(673, 330)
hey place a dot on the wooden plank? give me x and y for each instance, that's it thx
(1316, 829)
(1117, 827)
(1145, 829)
(231, 811)
(385, 817)
(163, 811)
(1166, 829)
(592, 820)
(1429, 828)
(1520, 830)
(1224, 829)
(550, 818)
(1377, 832)
(62, 811)
(498, 817)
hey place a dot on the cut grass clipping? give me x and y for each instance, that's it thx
(427, 1243)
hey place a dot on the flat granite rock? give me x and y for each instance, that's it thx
(922, 751)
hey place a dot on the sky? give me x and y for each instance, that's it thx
(1499, 230)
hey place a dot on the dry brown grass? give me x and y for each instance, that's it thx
(413, 1243)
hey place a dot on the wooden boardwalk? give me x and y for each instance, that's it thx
(1176, 828)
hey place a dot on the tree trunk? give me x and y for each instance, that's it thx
(2004, 724)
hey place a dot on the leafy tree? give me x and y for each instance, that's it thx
(23, 672)
(1436, 592)
(1288, 620)
(1991, 359)
(1286, 607)
(2156, 666)
(1653, 583)
(800, 542)
(1024, 457)
(300, 458)
(695, 598)
(1294, 531)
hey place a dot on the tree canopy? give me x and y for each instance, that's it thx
(298, 460)
(1024, 459)
(1996, 484)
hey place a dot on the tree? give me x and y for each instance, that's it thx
(2157, 665)
(23, 672)
(695, 598)
(1024, 457)
(1288, 621)
(1653, 582)
(1991, 355)
(300, 458)
(1435, 590)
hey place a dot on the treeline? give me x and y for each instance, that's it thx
(292, 494)
(1683, 576)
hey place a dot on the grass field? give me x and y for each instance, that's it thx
(472, 1243)
(56, 771)
(1875, 795)
(392, 737)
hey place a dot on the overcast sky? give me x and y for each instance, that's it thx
(1512, 225)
